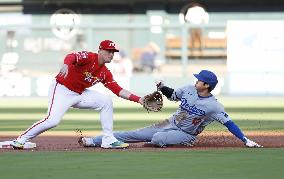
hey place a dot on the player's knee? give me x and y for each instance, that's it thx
(52, 123)
(159, 139)
(108, 102)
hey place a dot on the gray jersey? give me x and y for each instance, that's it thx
(193, 115)
(196, 112)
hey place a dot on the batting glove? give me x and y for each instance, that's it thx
(251, 144)
(160, 84)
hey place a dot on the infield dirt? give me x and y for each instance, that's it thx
(206, 140)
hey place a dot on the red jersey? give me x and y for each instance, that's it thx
(84, 72)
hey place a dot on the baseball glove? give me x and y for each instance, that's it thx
(153, 102)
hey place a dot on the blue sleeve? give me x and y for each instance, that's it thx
(234, 129)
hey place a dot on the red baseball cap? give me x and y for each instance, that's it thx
(108, 45)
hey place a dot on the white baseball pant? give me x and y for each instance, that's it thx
(61, 99)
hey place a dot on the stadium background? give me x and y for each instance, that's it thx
(33, 43)
(243, 45)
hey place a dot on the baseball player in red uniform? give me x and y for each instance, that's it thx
(80, 71)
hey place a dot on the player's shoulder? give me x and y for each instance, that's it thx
(219, 106)
(91, 53)
(187, 91)
(184, 90)
(106, 70)
(83, 54)
(190, 88)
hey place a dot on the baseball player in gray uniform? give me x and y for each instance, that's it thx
(197, 109)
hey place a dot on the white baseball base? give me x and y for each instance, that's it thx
(6, 145)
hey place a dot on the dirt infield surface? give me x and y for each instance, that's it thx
(206, 140)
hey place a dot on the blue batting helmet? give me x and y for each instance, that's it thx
(208, 77)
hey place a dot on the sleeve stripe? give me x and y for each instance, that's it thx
(110, 82)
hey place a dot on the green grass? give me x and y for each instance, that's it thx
(251, 114)
(226, 163)
(94, 125)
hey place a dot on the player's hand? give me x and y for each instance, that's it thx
(159, 84)
(251, 144)
(64, 71)
(141, 101)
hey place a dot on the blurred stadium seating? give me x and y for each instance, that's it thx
(31, 50)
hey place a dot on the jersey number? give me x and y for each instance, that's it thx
(82, 55)
(196, 121)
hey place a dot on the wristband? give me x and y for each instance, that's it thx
(134, 98)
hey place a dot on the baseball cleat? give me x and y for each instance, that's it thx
(116, 145)
(86, 142)
(17, 145)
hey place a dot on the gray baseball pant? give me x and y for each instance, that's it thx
(161, 134)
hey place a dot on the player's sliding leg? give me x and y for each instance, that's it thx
(172, 137)
(140, 135)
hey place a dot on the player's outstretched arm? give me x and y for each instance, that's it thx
(125, 94)
(234, 129)
(112, 85)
